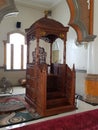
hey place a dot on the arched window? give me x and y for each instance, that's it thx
(15, 52)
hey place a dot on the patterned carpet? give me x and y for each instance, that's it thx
(14, 109)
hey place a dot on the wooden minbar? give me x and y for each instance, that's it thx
(50, 88)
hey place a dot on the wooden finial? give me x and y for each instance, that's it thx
(46, 13)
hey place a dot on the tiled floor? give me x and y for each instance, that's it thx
(16, 90)
(82, 106)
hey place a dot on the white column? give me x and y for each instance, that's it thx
(92, 64)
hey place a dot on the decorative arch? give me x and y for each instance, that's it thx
(81, 19)
(14, 32)
(7, 7)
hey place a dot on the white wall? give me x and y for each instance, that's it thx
(93, 46)
(84, 57)
(62, 14)
(26, 16)
(74, 54)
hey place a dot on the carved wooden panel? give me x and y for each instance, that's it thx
(42, 55)
(81, 19)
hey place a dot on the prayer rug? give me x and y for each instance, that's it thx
(14, 109)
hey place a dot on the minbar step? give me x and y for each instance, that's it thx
(53, 95)
(53, 103)
(59, 109)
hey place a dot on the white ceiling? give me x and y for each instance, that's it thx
(42, 4)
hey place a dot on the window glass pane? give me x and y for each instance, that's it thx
(8, 56)
(25, 57)
(17, 38)
(17, 57)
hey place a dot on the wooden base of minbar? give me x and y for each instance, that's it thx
(91, 88)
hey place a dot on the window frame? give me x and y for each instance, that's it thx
(22, 50)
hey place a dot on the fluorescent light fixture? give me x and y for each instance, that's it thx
(11, 14)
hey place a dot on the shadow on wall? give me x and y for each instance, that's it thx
(80, 82)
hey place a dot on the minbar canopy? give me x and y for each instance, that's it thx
(47, 29)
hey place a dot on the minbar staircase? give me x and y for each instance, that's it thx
(57, 103)
(56, 99)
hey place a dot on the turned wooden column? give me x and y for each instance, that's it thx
(51, 53)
